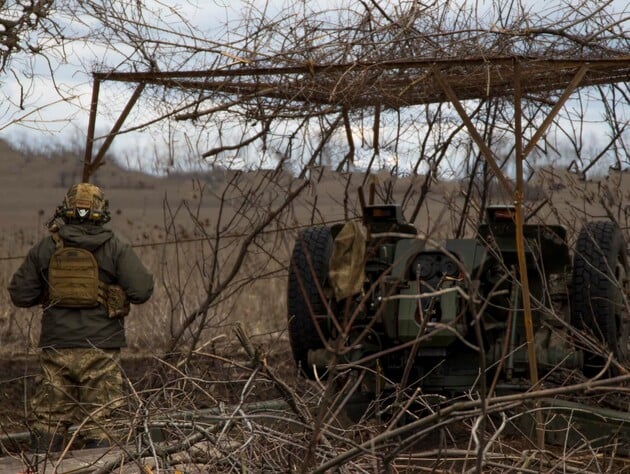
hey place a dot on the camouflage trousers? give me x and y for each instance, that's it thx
(78, 386)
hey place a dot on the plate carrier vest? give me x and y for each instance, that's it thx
(73, 280)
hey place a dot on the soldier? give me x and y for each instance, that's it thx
(85, 278)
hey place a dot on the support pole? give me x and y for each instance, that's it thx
(520, 248)
(116, 128)
(520, 240)
(487, 153)
(87, 160)
(575, 82)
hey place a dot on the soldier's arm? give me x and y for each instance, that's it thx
(27, 286)
(133, 276)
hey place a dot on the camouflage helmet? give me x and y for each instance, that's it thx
(84, 202)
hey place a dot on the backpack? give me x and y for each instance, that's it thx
(73, 280)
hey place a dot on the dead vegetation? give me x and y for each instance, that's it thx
(316, 104)
(216, 402)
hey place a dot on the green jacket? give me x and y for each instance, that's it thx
(82, 327)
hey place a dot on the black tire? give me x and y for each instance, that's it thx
(308, 273)
(599, 270)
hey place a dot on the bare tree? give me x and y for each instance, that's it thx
(304, 97)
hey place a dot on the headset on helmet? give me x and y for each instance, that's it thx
(84, 202)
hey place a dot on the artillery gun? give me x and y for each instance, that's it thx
(378, 297)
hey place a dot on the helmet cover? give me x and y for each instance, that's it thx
(85, 201)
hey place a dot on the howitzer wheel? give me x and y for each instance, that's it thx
(308, 274)
(600, 272)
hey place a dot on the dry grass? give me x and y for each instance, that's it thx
(177, 242)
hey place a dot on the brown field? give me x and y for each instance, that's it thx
(173, 223)
(169, 219)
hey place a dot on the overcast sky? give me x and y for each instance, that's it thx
(46, 115)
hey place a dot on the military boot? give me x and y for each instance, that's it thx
(43, 447)
(43, 443)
